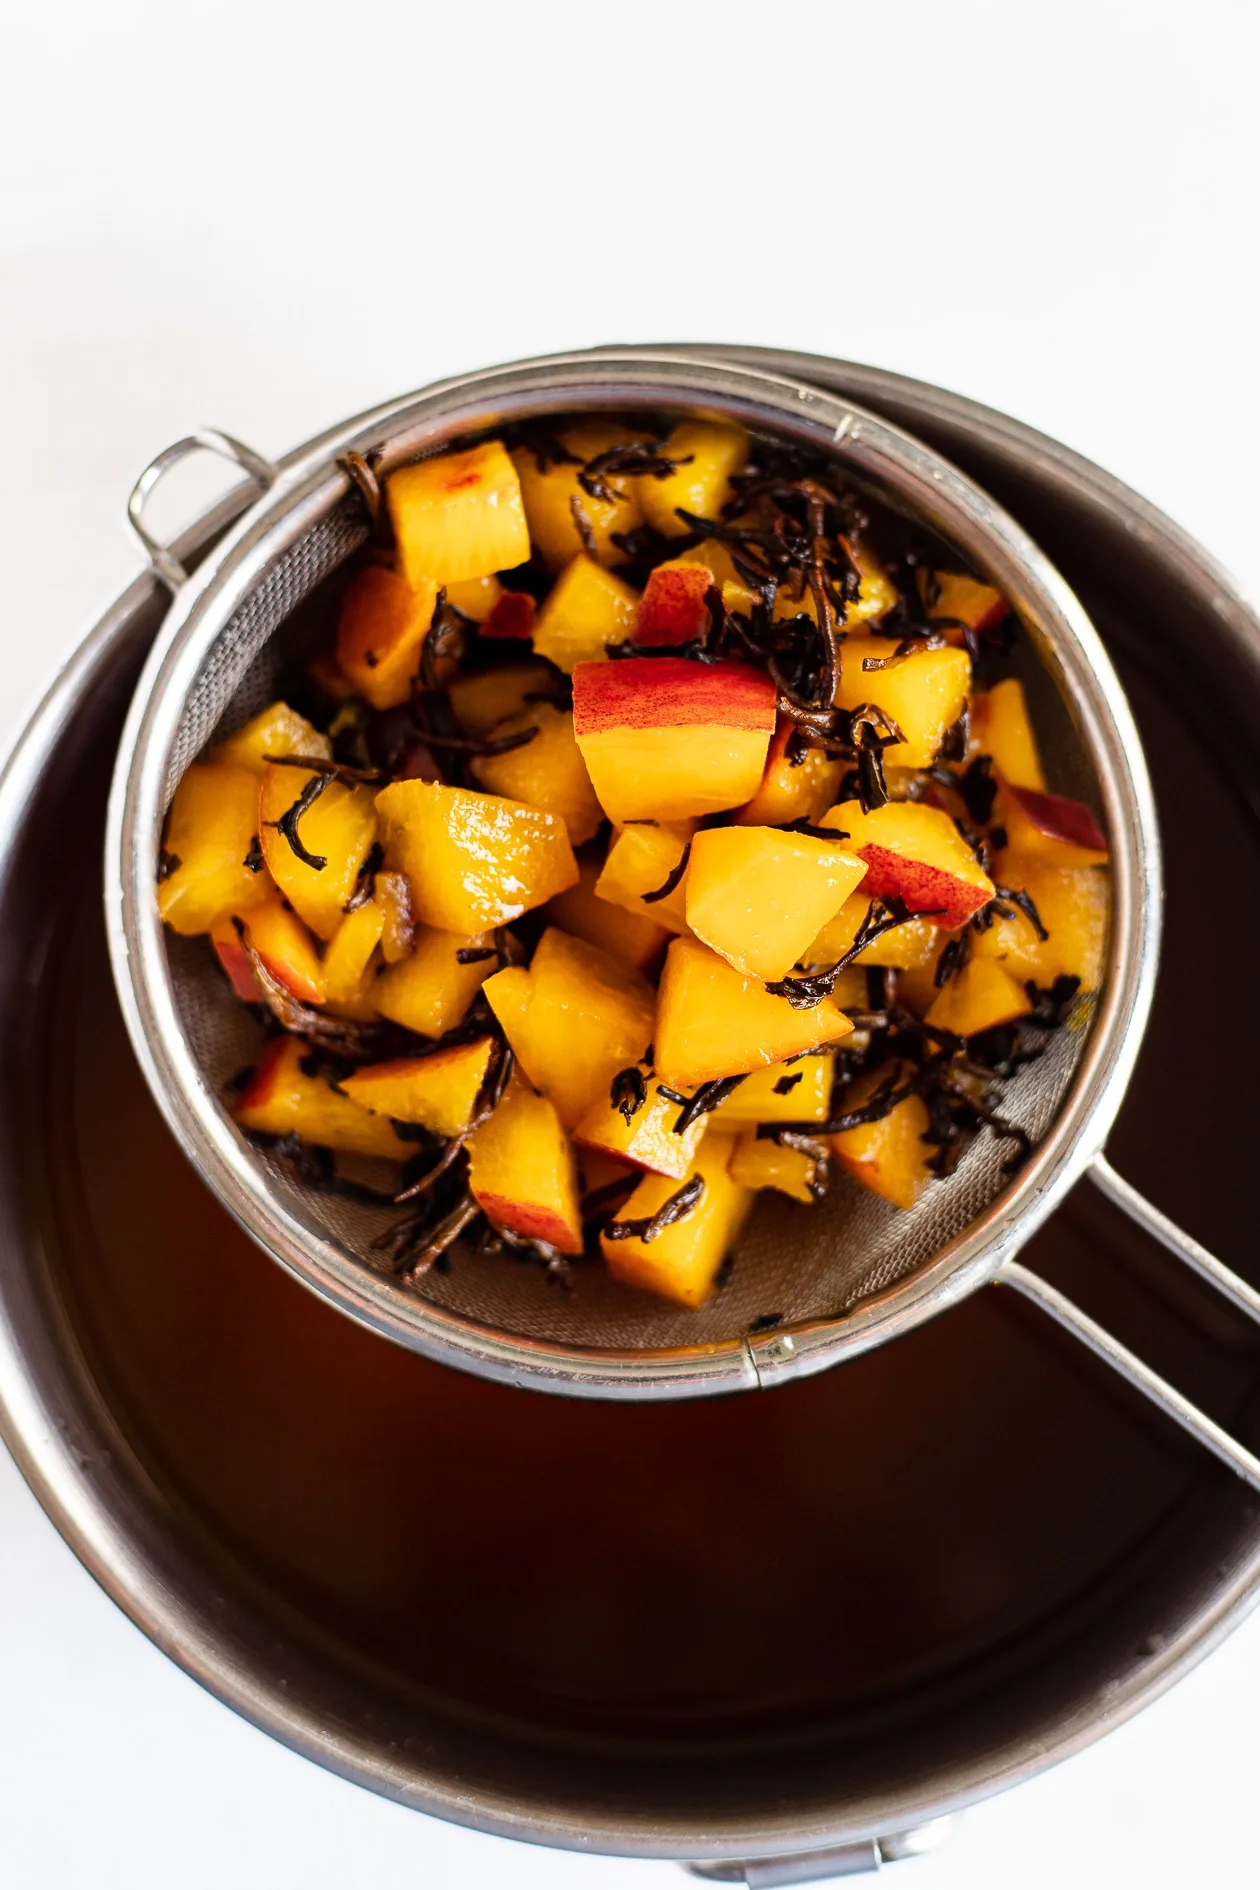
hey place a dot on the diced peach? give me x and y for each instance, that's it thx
(759, 897)
(664, 738)
(548, 772)
(281, 941)
(800, 788)
(474, 860)
(437, 1091)
(759, 1163)
(916, 942)
(380, 633)
(430, 991)
(646, 1138)
(684, 1260)
(708, 454)
(916, 986)
(712, 1020)
(1050, 827)
(281, 1099)
(512, 618)
(916, 853)
(348, 958)
(339, 829)
(598, 1170)
(640, 860)
(717, 560)
(637, 942)
(876, 595)
(210, 833)
(474, 597)
(551, 496)
(965, 599)
(573, 1019)
(458, 516)
(234, 959)
(275, 730)
(488, 696)
(1001, 727)
(329, 677)
(889, 1156)
(979, 997)
(924, 693)
(392, 893)
(522, 1172)
(673, 608)
(1073, 904)
(586, 609)
(799, 1092)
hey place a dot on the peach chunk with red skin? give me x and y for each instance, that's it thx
(511, 617)
(282, 1099)
(663, 738)
(1052, 827)
(966, 600)
(522, 1172)
(915, 853)
(673, 607)
(281, 941)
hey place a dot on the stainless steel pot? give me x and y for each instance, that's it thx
(740, 1629)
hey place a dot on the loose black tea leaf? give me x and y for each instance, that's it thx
(636, 459)
(1016, 896)
(629, 1092)
(706, 1098)
(652, 1226)
(786, 1084)
(584, 529)
(169, 863)
(475, 954)
(253, 861)
(673, 882)
(811, 988)
(365, 884)
(481, 745)
(815, 833)
(287, 825)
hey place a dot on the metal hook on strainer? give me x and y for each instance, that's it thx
(855, 1272)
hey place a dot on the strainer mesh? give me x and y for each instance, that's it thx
(795, 1261)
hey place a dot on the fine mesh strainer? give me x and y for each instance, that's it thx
(840, 1277)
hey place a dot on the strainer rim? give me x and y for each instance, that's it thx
(307, 490)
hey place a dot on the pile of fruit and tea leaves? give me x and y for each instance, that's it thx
(661, 828)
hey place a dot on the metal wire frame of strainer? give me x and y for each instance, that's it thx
(841, 1278)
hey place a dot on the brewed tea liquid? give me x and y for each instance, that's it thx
(778, 1563)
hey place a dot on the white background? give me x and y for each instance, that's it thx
(264, 218)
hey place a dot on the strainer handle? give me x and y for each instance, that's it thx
(1130, 1367)
(206, 440)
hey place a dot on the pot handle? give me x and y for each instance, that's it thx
(1118, 1356)
(847, 1860)
(162, 560)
